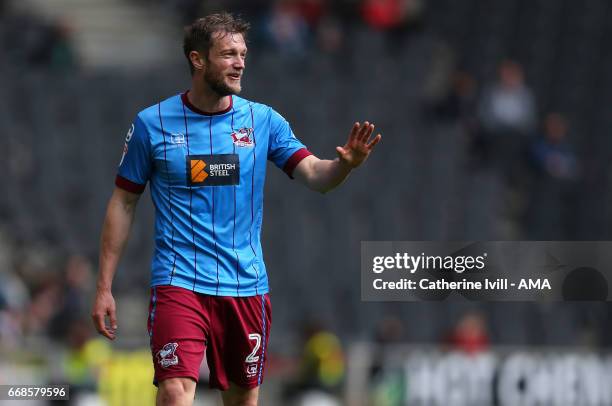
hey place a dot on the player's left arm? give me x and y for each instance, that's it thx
(323, 175)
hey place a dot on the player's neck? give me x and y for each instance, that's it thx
(205, 99)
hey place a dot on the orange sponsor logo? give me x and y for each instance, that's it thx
(198, 175)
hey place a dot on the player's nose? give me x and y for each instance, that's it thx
(239, 63)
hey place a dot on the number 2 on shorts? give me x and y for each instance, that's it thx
(252, 357)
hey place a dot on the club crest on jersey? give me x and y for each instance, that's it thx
(242, 137)
(166, 356)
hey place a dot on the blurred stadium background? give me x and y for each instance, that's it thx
(496, 122)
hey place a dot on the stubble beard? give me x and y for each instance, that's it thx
(217, 84)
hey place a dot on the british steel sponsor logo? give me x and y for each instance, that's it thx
(243, 137)
(198, 174)
(213, 170)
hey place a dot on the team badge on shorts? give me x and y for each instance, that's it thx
(166, 355)
(251, 370)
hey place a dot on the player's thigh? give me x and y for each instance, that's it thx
(176, 391)
(236, 352)
(177, 328)
(238, 396)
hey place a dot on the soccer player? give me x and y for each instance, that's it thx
(204, 155)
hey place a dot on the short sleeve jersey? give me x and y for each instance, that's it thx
(206, 173)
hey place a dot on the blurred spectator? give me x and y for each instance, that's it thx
(455, 100)
(322, 24)
(391, 14)
(437, 85)
(78, 284)
(508, 106)
(322, 360)
(329, 27)
(287, 29)
(396, 18)
(62, 56)
(11, 331)
(552, 155)
(13, 292)
(389, 330)
(85, 356)
(312, 11)
(470, 334)
(76, 296)
(50, 48)
(506, 119)
(321, 368)
(552, 190)
(43, 44)
(330, 35)
(14, 299)
(43, 307)
(386, 388)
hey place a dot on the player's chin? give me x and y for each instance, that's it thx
(235, 88)
(234, 85)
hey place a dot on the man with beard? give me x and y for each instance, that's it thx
(204, 153)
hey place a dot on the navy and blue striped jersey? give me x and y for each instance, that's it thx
(206, 175)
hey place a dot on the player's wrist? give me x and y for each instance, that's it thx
(103, 287)
(345, 165)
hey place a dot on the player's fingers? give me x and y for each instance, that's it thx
(363, 130)
(368, 132)
(374, 141)
(108, 332)
(98, 319)
(354, 131)
(112, 314)
(341, 151)
(98, 324)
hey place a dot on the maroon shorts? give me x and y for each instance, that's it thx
(233, 331)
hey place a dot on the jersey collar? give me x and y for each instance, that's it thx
(193, 108)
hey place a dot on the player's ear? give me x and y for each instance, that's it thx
(197, 60)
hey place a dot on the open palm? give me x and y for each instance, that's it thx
(358, 146)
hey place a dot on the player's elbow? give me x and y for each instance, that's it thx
(323, 188)
(124, 200)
